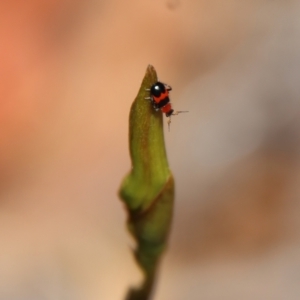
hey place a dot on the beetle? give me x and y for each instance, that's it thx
(159, 97)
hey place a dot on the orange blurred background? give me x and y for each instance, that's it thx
(69, 71)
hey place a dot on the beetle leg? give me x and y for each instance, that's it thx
(168, 88)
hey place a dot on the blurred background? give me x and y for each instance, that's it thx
(69, 71)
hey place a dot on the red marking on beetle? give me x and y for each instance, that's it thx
(167, 108)
(162, 96)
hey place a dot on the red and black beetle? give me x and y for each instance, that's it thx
(159, 97)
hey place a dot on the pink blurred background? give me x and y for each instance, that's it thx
(69, 71)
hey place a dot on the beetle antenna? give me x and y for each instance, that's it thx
(175, 113)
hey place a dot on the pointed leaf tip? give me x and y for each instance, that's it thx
(150, 168)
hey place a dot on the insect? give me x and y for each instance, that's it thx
(159, 97)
